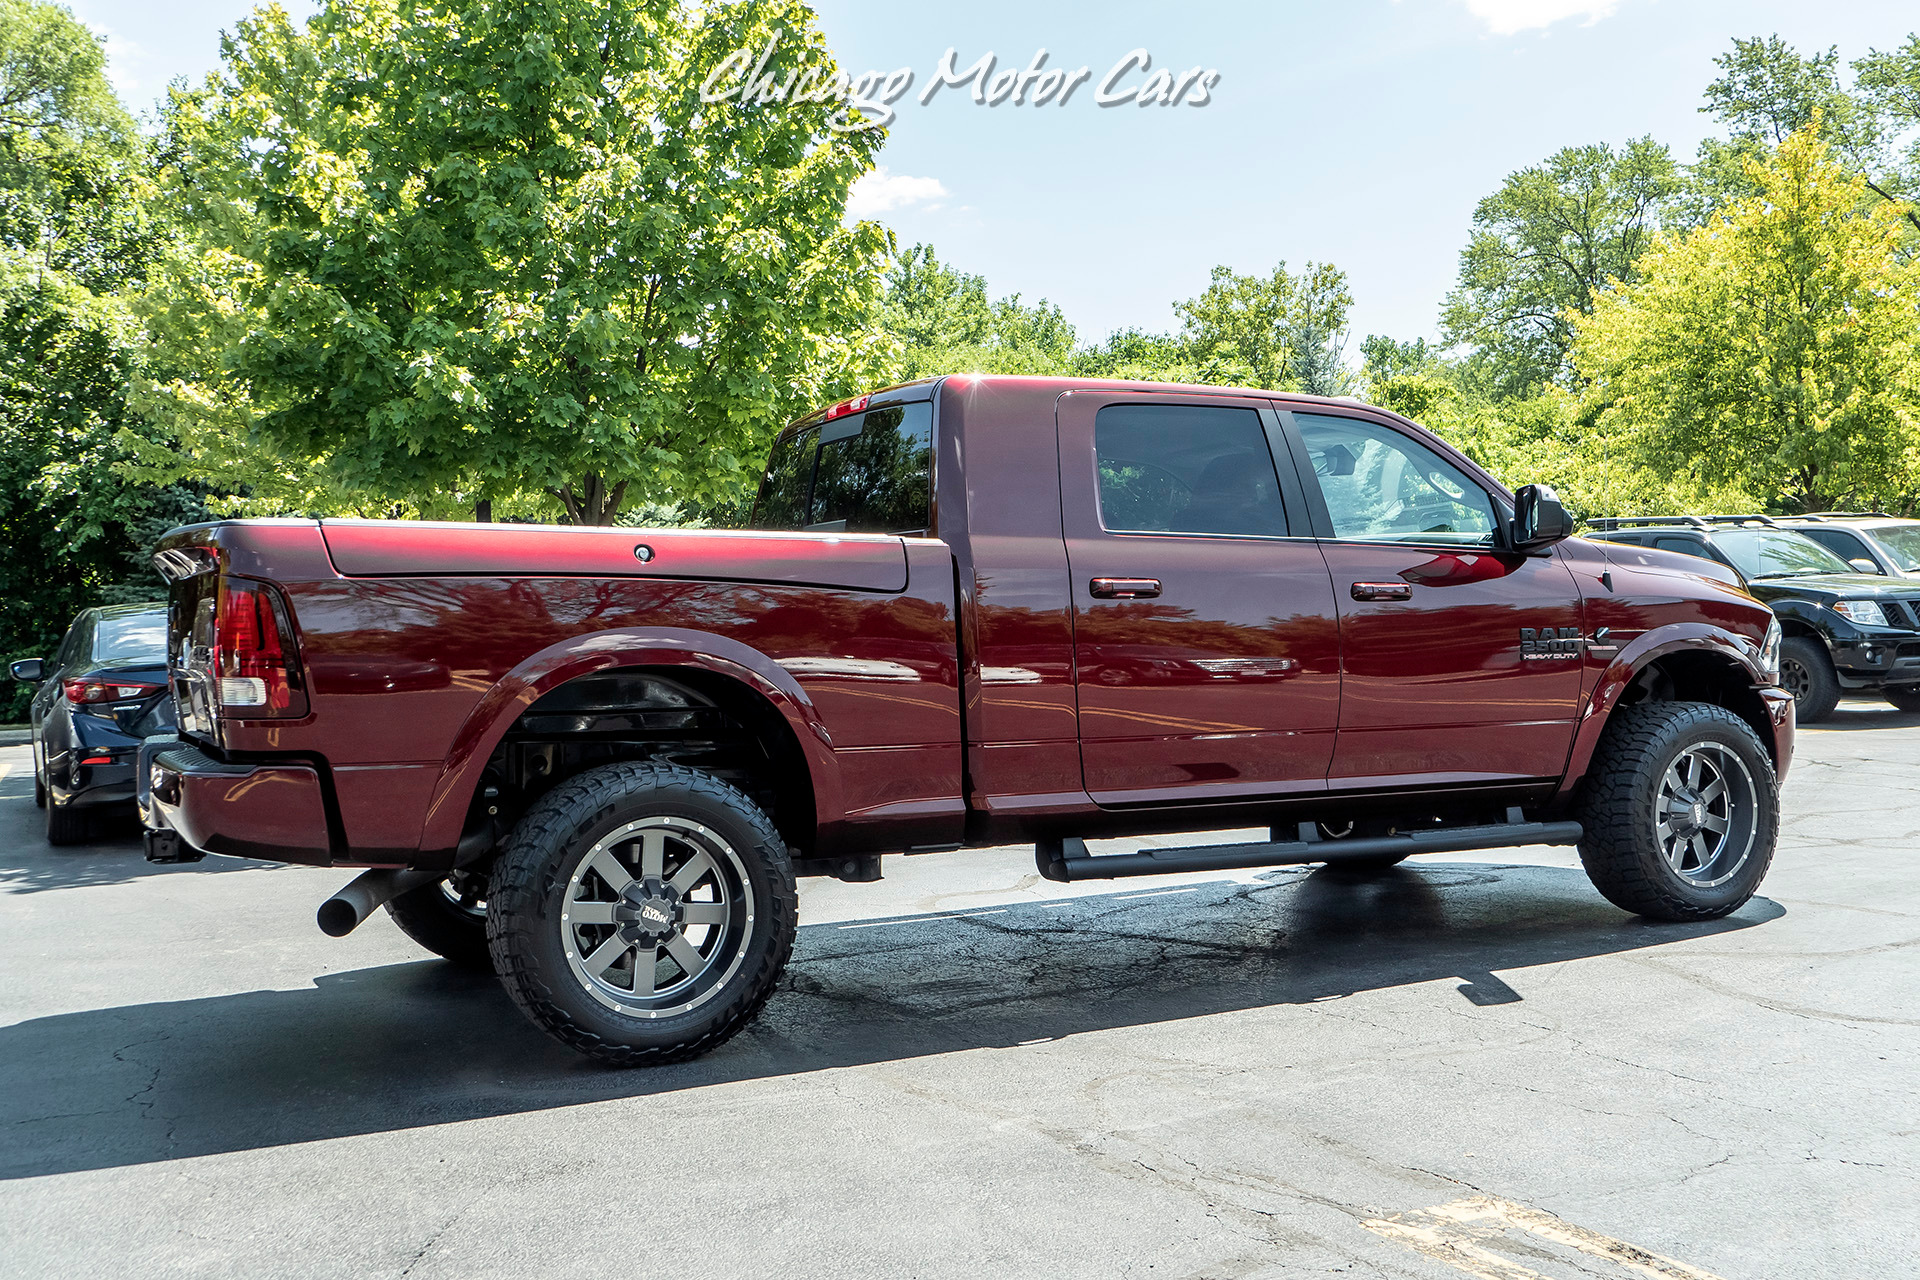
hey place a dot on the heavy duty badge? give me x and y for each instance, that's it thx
(1549, 642)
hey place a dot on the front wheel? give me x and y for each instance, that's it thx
(1807, 673)
(641, 913)
(1905, 697)
(1679, 811)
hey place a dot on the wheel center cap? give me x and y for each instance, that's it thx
(1699, 814)
(647, 912)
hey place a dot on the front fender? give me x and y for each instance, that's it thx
(1632, 659)
(577, 656)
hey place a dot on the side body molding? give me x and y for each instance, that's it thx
(582, 655)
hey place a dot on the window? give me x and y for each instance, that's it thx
(1186, 469)
(140, 635)
(1685, 546)
(870, 474)
(1381, 486)
(1902, 542)
(1841, 543)
(1768, 553)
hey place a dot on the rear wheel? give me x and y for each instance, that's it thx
(641, 913)
(68, 825)
(448, 918)
(1679, 810)
(1807, 673)
(1904, 696)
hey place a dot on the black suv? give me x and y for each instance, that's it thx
(1870, 541)
(1845, 630)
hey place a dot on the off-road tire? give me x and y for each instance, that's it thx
(67, 825)
(1807, 672)
(444, 926)
(1906, 697)
(530, 888)
(1621, 847)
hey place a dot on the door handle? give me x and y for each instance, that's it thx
(1124, 588)
(1382, 591)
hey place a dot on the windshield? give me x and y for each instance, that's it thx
(137, 636)
(1903, 540)
(1770, 553)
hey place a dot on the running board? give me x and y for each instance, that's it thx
(1066, 859)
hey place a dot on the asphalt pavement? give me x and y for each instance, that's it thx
(1472, 1065)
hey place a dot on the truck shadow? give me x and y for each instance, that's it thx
(408, 1045)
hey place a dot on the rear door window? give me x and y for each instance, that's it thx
(867, 474)
(1186, 469)
(134, 637)
(1842, 543)
(1685, 546)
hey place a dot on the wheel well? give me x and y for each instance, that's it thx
(679, 715)
(1692, 676)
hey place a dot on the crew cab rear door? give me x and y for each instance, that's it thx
(1460, 662)
(1205, 639)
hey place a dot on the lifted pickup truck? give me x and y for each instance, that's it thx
(970, 611)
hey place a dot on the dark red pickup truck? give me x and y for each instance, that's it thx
(969, 611)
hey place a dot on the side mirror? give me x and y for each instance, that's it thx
(29, 670)
(1864, 565)
(1538, 518)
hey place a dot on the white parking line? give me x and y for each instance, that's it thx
(961, 915)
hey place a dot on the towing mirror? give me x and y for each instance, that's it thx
(29, 670)
(1538, 518)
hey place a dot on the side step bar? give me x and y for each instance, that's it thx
(1066, 859)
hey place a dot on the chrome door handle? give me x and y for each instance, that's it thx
(1124, 588)
(1382, 591)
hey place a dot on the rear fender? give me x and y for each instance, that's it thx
(1633, 658)
(582, 655)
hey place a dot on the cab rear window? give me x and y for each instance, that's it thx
(867, 474)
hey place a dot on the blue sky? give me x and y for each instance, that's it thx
(1360, 132)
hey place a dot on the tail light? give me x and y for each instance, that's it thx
(92, 692)
(254, 662)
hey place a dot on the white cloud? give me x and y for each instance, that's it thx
(1505, 17)
(882, 192)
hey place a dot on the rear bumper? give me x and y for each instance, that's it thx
(271, 811)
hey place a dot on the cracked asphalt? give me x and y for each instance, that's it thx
(1469, 1066)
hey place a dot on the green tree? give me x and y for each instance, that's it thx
(1777, 348)
(1543, 246)
(1269, 331)
(944, 323)
(74, 234)
(463, 251)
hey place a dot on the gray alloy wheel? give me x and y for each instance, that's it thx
(1679, 811)
(657, 916)
(642, 912)
(1706, 815)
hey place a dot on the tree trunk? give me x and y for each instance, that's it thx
(590, 501)
(483, 510)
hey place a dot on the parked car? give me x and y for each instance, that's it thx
(99, 697)
(1328, 623)
(1870, 541)
(1846, 631)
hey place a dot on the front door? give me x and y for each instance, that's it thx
(1206, 644)
(1462, 661)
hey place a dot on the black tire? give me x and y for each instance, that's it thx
(1634, 856)
(551, 868)
(1904, 696)
(67, 825)
(39, 792)
(448, 918)
(1807, 673)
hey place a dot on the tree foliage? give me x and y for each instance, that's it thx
(463, 250)
(1543, 245)
(1776, 348)
(944, 322)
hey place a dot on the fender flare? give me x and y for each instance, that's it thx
(1648, 647)
(581, 655)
